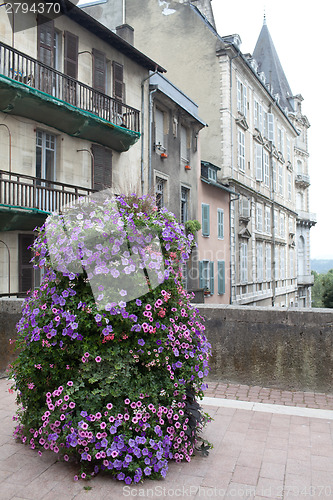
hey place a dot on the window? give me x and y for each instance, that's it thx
(270, 123)
(45, 41)
(268, 220)
(99, 70)
(71, 54)
(45, 155)
(26, 269)
(276, 223)
(220, 223)
(160, 192)
(265, 124)
(282, 225)
(241, 98)
(159, 130)
(241, 151)
(299, 167)
(220, 277)
(211, 174)
(281, 179)
(291, 264)
(206, 275)
(274, 175)
(258, 161)
(183, 146)
(276, 263)
(243, 262)
(259, 217)
(282, 263)
(258, 115)
(266, 168)
(260, 262)
(118, 81)
(184, 275)
(244, 207)
(288, 148)
(280, 140)
(205, 226)
(102, 167)
(268, 251)
(184, 204)
(289, 186)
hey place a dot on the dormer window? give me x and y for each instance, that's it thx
(211, 174)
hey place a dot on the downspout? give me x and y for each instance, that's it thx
(231, 246)
(142, 127)
(10, 145)
(274, 222)
(150, 141)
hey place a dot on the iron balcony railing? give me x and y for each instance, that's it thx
(27, 192)
(25, 69)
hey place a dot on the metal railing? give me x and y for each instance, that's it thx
(25, 69)
(27, 192)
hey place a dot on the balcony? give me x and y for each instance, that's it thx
(306, 218)
(31, 89)
(307, 279)
(302, 180)
(26, 201)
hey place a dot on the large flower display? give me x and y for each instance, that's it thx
(112, 355)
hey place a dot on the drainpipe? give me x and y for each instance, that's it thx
(231, 246)
(10, 145)
(143, 125)
(274, 222)
(8, 251)
(150, 181)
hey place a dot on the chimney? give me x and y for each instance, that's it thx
(126, 32)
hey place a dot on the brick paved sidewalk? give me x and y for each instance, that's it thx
(257, 394)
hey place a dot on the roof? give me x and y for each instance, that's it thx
(268, 61)
(86, 21)
(176, 95)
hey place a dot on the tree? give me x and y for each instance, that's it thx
(317, 290)
(328, 289)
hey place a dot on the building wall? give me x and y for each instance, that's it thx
(211, 248)
(71, 166)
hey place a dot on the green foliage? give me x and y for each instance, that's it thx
(322, 290)
(328, 289)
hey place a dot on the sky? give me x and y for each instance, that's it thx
(302, 35)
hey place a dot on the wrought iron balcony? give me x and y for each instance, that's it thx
(23, 197)
(33, 89)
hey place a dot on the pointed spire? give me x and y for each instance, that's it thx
(268, 61)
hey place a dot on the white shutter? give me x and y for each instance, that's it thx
(244, 101)
(270, 117)
(260, 274)
(268, 262)
(159, 127)
(258, 152)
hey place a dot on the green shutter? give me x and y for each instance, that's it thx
(205, 219)
(201, 279)
(221, 277)
(211, 265)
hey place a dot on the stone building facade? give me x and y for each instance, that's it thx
(71, 98)
(254, 137)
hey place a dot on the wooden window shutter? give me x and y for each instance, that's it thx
(102, 167)
(26, 270)
(221, 277)
(71, 54)
(118, 81)
(99, 70)
(201, 277)
(205, 219)
(211, 280)
(45, 40)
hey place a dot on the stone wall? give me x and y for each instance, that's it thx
(10, 313)
(270, 347)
